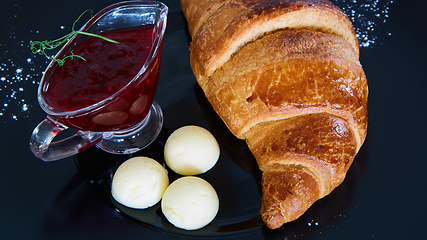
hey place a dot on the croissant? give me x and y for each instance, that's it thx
(285, 76)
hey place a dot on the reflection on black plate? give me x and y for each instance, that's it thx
(235, 177)
(237, 189)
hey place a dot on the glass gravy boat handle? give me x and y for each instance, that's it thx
(43, 147)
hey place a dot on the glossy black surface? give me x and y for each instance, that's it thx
(381, 198)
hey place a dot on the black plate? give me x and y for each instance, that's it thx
(235, 177)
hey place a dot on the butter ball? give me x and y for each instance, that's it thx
(190, 203)
(191, 150)
(139, 183)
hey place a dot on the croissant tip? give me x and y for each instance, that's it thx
(273, 222)
(273, 218)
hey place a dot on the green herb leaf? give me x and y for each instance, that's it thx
(40, 47)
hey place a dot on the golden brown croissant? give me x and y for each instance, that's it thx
(285, 76)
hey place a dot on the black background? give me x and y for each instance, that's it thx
(383, 196)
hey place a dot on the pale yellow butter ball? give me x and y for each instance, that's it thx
(190, 203)
(139, 183)
(191, 150)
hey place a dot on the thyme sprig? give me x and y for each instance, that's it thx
(40, 47)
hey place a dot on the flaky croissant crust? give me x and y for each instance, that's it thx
(220, 27)
(284, 76)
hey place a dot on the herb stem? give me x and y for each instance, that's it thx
(96, 35)
(40, 47)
